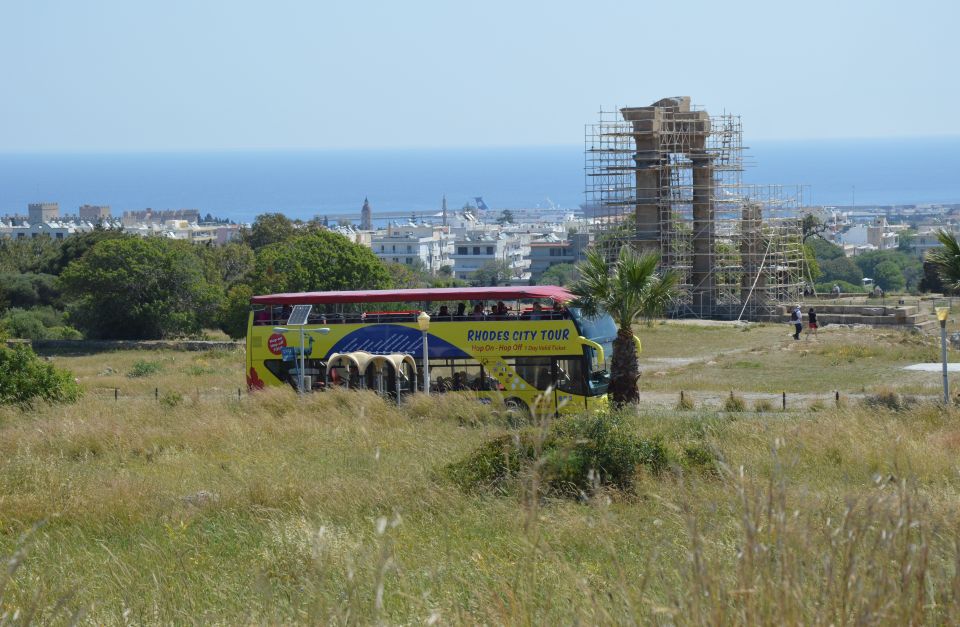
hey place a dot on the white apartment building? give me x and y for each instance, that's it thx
(53, 229)
(926, 238)
(878, 235)
(414, 244)
(475, 248)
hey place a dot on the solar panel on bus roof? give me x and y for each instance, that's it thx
(298, 317)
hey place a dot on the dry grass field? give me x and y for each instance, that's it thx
(337, 508)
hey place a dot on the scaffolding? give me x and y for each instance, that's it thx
(668, 178)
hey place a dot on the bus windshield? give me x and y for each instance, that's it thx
(602, 330)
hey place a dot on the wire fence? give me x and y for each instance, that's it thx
(682, 400)
(117, 394)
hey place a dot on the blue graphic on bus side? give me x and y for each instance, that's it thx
(388, 338)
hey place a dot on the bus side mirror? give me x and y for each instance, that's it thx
(601, 358)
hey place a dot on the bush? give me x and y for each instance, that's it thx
(886, 398)
(41, 323)
(25, 377)
(576, 455)
(734, 403)
(143, 368)
(171, 399)
(701, 457)
(762, 405)
(28, 290)
(234, 312)
(684, 403)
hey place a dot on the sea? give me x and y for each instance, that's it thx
(303, 184)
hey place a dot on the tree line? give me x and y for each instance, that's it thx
(108, 284)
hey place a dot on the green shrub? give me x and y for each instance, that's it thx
(684, 403)
(28, 289)
(171, 399)
(24, 377)
(143, 368)
(39, 323)
(199, 370)
(734, 403)
(22, 324)
(701, 457)
(575, 455)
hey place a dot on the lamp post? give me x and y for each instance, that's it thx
(942, 314)
(423, 321)
(303, 347)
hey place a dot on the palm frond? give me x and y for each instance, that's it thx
(628, 289)
(592, 289)
(946, 259)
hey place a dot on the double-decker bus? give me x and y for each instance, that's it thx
(512, 343)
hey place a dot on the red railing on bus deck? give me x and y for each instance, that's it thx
(504, 293)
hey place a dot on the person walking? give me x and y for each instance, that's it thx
(797, 319)
(811, 322)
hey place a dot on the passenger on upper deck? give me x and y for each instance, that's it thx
(444, 312)
(500, 311)
(461, 309)
(477, 312)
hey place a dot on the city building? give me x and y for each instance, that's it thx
(94, 213)
(366, 216)
(474, 249)
(151, 216)
(552, 250)
(43, 212)
(926, 238)
(414, 245)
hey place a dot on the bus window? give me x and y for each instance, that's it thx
(456, 375)
(570, 375)
(535, 370)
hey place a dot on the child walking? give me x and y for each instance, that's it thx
(812, 322)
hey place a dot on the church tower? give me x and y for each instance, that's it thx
(366, 216)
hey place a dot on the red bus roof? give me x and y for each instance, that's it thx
(431, 294)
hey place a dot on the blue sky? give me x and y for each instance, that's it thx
(104, 75)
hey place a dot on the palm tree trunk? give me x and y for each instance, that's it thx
(624, 369)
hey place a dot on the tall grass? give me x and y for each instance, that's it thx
(335, 508)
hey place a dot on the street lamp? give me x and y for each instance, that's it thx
(942, 314)
(283, 331)
(423, 321)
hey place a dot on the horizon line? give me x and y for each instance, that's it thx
(426, 148)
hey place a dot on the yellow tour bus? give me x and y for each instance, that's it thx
(511, 343)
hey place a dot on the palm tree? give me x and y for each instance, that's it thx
(947, 259)
(628, 290)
